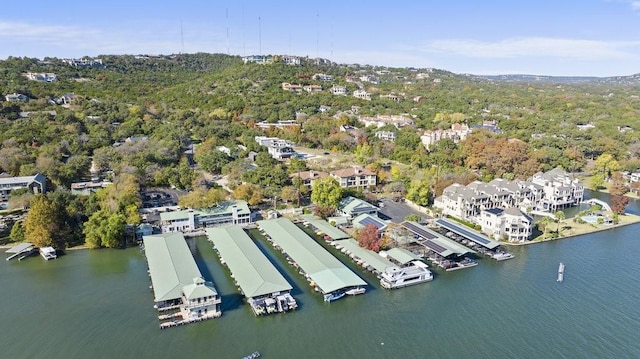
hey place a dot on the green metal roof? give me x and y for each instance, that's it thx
(328, 273)
(402, 255)
(253, 272)
(379, 263)
(171, 265)
(325, 227)
(222, 208)
(355, 206)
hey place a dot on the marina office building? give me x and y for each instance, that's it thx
(227, 212)
(265, 289)
(325, 273)
(181, 294)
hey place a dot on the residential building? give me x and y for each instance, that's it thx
(291, 87)
(84, 62)
(548, 191)
(338, 90)
(224, 213)
(280, 124)
(361, 94)
(308, 177)
(456, 133)
(322, 77)
(291, 60)
(398, 121)
(510, 224)
(35, 184)
(386, 135)
(277, 148)
(41, 77)
(312, 88)
(560, 189)
(177, 282)
(354, 177)
(16, 97)
(391, 97)
(258, 59)
(87, 188)
(365, 219)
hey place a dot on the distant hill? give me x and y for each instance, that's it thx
(620, 80)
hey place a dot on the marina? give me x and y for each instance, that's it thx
(323, 228)
(325, 273)
(264, 288)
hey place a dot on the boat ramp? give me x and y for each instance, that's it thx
(325, 273)
(477, 241)
(440, 250)
(265, 289)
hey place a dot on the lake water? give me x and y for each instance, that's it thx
(98, 304)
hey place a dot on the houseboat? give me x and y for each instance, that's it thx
(414, 273)
(48, 253)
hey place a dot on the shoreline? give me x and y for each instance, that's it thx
(635, 220)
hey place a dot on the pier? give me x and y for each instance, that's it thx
(22, 251)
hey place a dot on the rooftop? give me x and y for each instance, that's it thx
(328, 273)
(251, 269)
(223, 208)
(171, 265)
(379, 263)
(467, 233)
(402, 255)
(324, 226)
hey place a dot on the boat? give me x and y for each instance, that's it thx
(253, 355)
(561, 272)
(48, 253)
(333, 296)
(355, 291)
(414, 273)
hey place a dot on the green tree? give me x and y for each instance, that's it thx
(326, 192)
(420, 192)
(606, 165)
(17, 232)
(289, 193)
(105, 229)
(363, 154)
(559, 217)
(40, 226)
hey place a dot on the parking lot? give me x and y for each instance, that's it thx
(396, 211)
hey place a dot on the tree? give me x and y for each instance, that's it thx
(606, 164)
(248, 192)
(289, 193)
(559, 217)
(413, 217)
(618, 190)
(369, 237)
(105, 229)
(17, 232)
(363, 154)
(200, 198)
(326, 192)
(420, 192)
(39, 226)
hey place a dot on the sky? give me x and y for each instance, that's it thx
(542, 37)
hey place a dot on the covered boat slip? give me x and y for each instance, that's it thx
(484, 244)
(442, 251)
(320, 225)
(177, 282)
(266, 290)
(366, 258)
(324, 271)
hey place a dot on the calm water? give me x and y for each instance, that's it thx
(98, 304)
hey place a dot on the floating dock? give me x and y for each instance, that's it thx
(21, 250)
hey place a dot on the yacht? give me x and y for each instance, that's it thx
(330, 297)
(561, 272)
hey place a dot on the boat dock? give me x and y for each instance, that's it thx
(21, 251)
(441, 251)
(266, 290)
(479, 242)
(325, 273)
(323, 228)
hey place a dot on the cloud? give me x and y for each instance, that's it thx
(635, 5)
(533, 47)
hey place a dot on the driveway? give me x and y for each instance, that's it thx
(396, 211)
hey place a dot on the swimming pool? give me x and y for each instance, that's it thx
(590, 219)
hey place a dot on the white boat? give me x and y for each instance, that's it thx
(414, 273)
(333, 296)
(561, 272)
(356, 291)
(48, 253)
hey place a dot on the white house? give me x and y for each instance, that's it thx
(224, 213)
(386, 135)
(354, 177)
(338, 90)
(510, 224)
(361, 94)
(16, 97)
